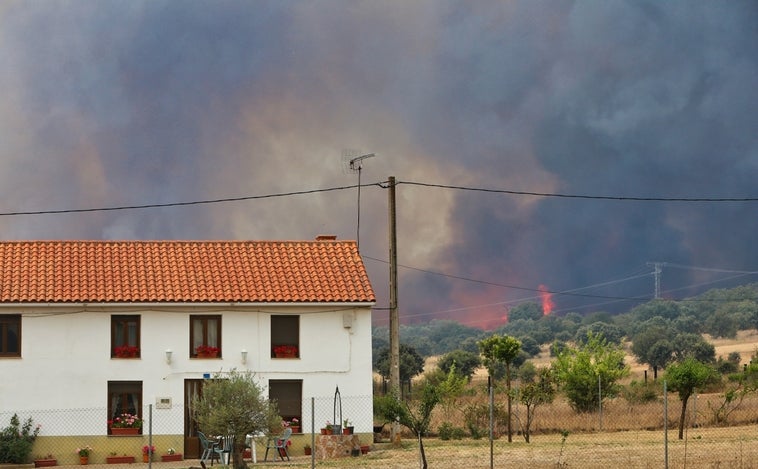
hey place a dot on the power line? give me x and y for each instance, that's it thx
(571, 292)
(584, 196)
(710, 269)
(384, 185)
(182, 204)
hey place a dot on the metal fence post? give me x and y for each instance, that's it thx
(665, 426)
(313, 432)
(492, 422)
(150, 437)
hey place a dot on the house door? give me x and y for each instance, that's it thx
(192, 388)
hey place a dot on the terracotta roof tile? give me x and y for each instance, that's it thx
(179, 271)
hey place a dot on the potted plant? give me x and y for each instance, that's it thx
(147, 453)
(171, 455)
(206, 351)
(45, 461)
(84, 453)
(294, 424)
(327, 429)
(126, 351)
(307, 449)
(285, 351)
(125, 424)
(113, 458)
(348, 428)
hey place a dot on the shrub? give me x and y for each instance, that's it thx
(16, 441)
(726, 367)
(477, 419)
(640, 392)
(445, 431)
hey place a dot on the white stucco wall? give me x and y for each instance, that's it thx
(66, 365)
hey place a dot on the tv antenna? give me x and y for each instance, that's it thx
(352, 162)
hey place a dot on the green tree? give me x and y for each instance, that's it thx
(659, 355)
(465, 363)
(529, 311)
(451, 388)
(580, 370)
(411, 363)
(684, 378)
(666, 309)
(501, 349)
(530, 346)
(739, 385)
(611, 332)
(693, 345)
(417, 417)
(234, 404)
(652, 345)
(533, 394)
(723, 323)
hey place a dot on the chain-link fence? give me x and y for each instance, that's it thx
(717, 433)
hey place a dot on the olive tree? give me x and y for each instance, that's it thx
(234, 404)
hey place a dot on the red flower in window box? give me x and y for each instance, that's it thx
(206, 351)
(126, 351)
(285, 351)
(125, 421)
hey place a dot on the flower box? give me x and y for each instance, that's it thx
(285, 351)
(119, 459)
(46, 462)
(206, 351)
(172, 457)
(126, 351)
(124, 431)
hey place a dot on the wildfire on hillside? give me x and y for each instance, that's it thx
(547, 300)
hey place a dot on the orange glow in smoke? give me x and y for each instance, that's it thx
(547, 300)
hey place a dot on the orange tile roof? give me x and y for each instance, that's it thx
(182, 271)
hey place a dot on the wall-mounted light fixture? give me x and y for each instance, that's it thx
(243, 354)
(168, 356)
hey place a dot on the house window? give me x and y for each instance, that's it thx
(124, 397)
(288, 394)
(125, 336)
(205, 336)
(10, 335)
(285, 336)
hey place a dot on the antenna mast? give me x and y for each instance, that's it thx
(355, 164)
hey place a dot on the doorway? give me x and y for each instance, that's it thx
(193, 388)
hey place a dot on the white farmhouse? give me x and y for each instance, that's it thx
(93, 329)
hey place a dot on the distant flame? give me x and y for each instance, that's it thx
(547, 300)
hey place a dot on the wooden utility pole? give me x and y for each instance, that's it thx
(394, 317)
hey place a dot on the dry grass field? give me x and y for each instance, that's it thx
(733, 447)
(624, 435)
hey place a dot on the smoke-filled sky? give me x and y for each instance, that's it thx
(123, 103)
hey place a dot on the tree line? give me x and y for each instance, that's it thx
(587, 353)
